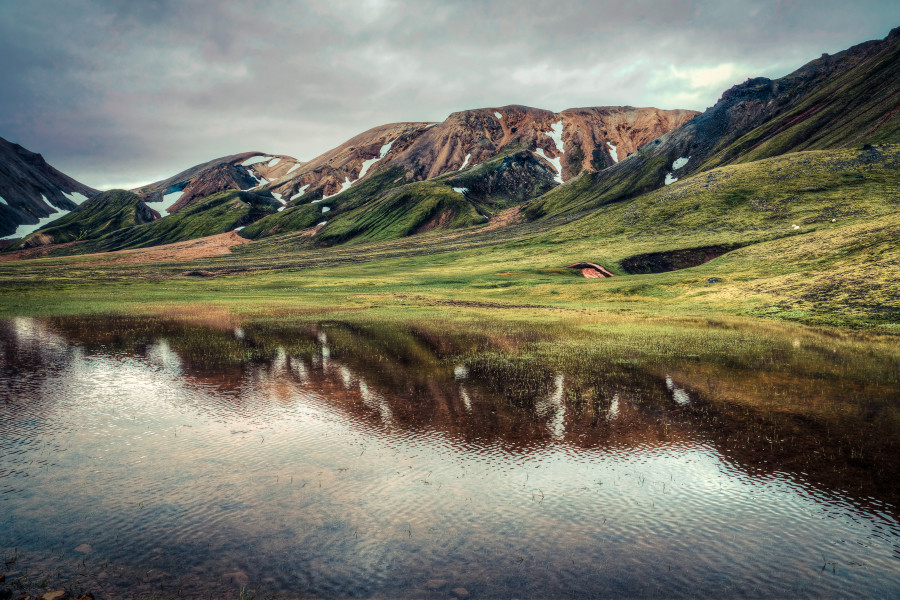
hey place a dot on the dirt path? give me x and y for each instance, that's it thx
(214, 245)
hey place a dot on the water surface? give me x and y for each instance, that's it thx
(151, 456)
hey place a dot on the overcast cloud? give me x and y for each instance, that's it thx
(122, 92)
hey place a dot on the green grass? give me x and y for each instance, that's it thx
(217, 214)
(102, 214)
(836, 274)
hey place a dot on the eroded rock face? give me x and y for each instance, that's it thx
(217, 179)
(32, 189)
(566, 143)
(243, 171)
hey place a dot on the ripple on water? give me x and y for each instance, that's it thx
(311, 476)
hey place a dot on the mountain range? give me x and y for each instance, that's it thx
(473, 168)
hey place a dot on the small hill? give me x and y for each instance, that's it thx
(102, 214)
(31, 190)
(219, 213)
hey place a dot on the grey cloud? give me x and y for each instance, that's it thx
(118, 91)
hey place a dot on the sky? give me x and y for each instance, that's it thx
(117, 93)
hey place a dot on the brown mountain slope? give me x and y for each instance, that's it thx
(31, 189)
(236, 172)
(581, 139)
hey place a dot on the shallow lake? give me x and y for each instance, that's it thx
(149, 457)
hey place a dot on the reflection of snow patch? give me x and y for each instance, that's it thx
(274, 161)
(669, 179)
(299, 369)
(23, 230)
(613, 412)
(680, 396)
(556, 135)
(254, 159)
(460, 372)
(498, 115)
(461, 190)
(300, 192)
(161, 353)
(3, 201)
(680, 163)
(612, 152)
(325, 209)
(465, 398)
(346, 376)
(239, 333)
(556, 162)
(466, 161)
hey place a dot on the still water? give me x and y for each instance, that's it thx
(159, 458)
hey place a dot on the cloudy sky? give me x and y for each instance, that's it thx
(123, 92)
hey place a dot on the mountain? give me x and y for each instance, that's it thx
(569, 142)
(843, 100)
(99, 215)
(243, 171)
(32, 190)
(219, 213)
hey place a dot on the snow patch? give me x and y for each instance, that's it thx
(292, 169)
(75, 197)
(300, 192)
(461, 190)
(255, 159)
(498, 115)
(432, 125)
(23, 230)
(556, 135)
(556, 162)
(168, 201)
(277, 196)
(344, 187)
(281, 208)
(466, 161)
(612, 152)
(680, 163)
(3, 201)
(239, 228)
(325, 209)
(322, 223)
(274, 161)
(371, 161)
(669, 179)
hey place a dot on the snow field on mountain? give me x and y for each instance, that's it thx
(23, 230)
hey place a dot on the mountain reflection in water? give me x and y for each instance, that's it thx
(348, 459)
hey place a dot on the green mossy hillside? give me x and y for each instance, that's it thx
(414, 208)
(105, 212)
(217, 214)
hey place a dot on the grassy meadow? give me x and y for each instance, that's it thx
(815, 236)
